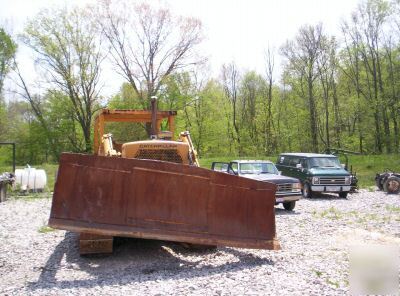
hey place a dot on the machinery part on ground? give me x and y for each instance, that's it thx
(3, 192)
(95, 244)
(378, 181)
(155, 189)
(392, 185)
(388, 181)
(112, 196)
(5, 180)
(354, 181)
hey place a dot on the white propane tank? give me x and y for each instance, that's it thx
(30, 179)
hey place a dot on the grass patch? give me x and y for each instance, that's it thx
(371, 217)
(45, 229)
(356, 217)
(317, 272)
(28, 196)
(333, 283)
(393, 209)
(51, 171)
(331, 213)
(367, 166)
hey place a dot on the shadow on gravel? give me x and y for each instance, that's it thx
(283, 212)
(326, 196)
(136, 260)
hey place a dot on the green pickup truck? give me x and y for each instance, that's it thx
(317, 172)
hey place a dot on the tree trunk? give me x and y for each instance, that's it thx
(336, 116)
(386, 127)
(313, 121)
(395, 129)
(378, 142)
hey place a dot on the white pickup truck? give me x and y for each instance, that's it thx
(288, 189)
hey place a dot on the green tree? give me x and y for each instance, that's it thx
(126, 98)
(68, 48)
(302, 55)
(231, 81)
(253, 89)
(8, 49)
(363, 36)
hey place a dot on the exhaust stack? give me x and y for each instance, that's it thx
(153, 117)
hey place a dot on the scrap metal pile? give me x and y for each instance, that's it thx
(5, 180)
(388, 181)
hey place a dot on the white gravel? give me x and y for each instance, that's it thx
(315, 241)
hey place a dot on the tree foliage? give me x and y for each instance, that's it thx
(334, 91)
(7, 52)
(8, 49)
(69, 50)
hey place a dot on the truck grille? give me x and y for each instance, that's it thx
(170, 155)
(332, 181)
(287, 189)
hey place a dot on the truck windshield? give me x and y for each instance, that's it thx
(258, 168)
(325, 162)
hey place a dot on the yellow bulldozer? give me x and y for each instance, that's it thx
(155, 189)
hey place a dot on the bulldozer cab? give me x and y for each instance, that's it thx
(139, 116)
(161, 147)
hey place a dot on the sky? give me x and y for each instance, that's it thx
(235, 30)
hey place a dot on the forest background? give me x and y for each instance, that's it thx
(333, 91)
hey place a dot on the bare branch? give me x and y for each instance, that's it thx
(148, 44)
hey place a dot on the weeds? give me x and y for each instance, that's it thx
(45, 229)
(393, 209)
(330, 282)
(30, 196)
(317, 272)
(331, 213)
(357, 217)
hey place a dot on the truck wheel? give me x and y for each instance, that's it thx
(289, 206)
(307, 190)
(392, 185)
(343, 194)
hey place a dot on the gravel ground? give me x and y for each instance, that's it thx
(315, 240)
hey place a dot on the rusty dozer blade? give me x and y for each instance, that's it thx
(162, 200)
